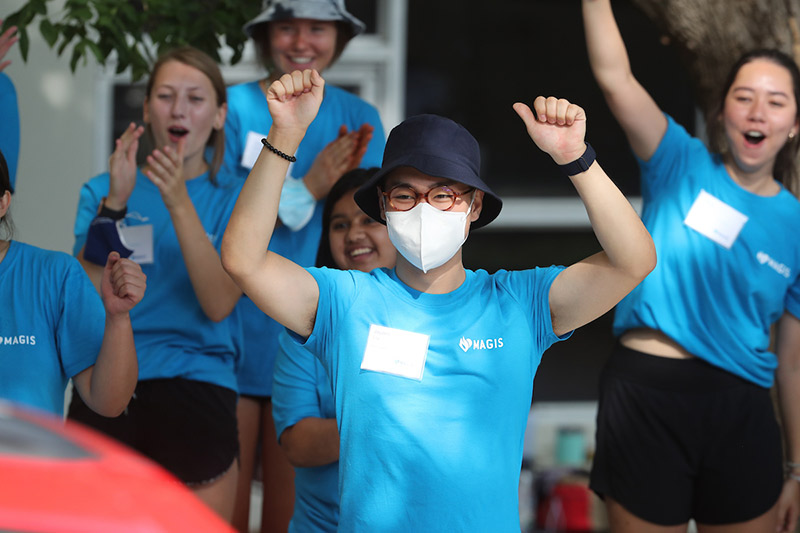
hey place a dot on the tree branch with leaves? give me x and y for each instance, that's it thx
(132, 33)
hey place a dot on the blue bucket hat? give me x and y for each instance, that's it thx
(436, 146)
(304, 9)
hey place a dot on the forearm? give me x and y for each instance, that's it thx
(215, 290)
(94, 271)
(247, 237)
(608, 56)
(788, 383)
(617, 226)
(311, 442)
(107, 387)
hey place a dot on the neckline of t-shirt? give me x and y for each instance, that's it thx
(424, 299)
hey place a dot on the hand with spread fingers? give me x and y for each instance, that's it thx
(7, 40)
(122, 167)
(165, 170)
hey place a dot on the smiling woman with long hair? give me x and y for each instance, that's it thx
(694, 352)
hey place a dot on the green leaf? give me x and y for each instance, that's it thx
(83, 14)
(39, 7)
(49, 32)
(77, 54)
(24, 42)
(101, 57)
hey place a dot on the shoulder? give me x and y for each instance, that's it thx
(45, 262)
(242, 93)
(338, 96)
(6, 85)
(677, 137)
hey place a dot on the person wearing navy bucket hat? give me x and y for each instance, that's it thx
(347, 133)
(431, 366)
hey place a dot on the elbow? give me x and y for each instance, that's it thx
(230, 262)
(647, 262)
(109, 409)
(294, 455)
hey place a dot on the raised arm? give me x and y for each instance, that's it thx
(279, 287)
(591, 287)
(633, 107)
(107, 386)
(788, 381)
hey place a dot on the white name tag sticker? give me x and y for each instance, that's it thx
(252, 147)
(396, 351)
(140, 240)
(715, 219)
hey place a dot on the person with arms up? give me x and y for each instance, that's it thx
(290, 34)
(302, 403)
(55, 328)
(171, 214)
(694, 354)
(432, 365)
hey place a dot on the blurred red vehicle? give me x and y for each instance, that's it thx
(60, 478)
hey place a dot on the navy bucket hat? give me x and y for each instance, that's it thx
(436, 146)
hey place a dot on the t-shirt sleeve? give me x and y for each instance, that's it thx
(79, 332)
(294, 387)
(9, 126)
(532, 290)
(337, 290)
(87, 209)
(669, 160)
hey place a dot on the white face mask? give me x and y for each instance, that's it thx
(427, 237)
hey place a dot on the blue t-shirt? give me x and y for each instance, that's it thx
(440, 453)
(717, 302)
(248, 112)
(9, 125)
(51, 326)
(174, 337)
(301, 389)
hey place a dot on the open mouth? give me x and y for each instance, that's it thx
(301, 60)
(754, 137)
(176, 133)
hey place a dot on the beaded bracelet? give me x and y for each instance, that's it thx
(275, 151)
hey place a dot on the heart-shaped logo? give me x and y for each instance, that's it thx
(465, 344)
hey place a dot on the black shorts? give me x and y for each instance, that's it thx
(680, 439)
(188, 427)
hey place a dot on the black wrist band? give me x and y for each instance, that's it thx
(113, 214)
(275, 151)
(581, 164)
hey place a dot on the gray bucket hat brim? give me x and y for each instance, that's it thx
(304, 9)
(436, 146)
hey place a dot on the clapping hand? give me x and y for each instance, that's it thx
(122, 167)
(7, 40)
(165, 170)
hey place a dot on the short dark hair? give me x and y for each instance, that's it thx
(785, 170)
(350, 181)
